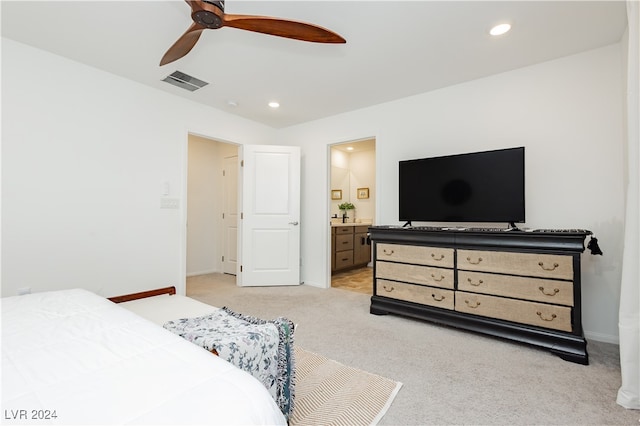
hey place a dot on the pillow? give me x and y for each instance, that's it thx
(264, 348)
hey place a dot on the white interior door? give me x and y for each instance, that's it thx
(230, 215)
(270, 216)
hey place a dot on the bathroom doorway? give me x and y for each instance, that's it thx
(352, 210)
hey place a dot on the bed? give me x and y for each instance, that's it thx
(264, 348)
(73, 357)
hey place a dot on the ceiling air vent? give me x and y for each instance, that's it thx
(184, 81)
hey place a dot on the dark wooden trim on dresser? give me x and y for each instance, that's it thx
(569, 345)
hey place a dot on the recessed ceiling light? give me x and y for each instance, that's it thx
(500, 29)
(274, 104)
(349, 148)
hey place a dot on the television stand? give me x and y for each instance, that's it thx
(521, 286)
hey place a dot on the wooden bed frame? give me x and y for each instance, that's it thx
(141, 295)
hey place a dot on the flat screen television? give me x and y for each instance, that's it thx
(475, 187)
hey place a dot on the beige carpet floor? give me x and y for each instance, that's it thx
(449, 376)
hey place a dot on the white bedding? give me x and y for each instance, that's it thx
(94, 362)
(160, 309)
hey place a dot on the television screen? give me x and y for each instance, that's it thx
(476, 187)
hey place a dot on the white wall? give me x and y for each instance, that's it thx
(85, 154)
(203, 189)
(363, 175)
(350, 171)
(205, 192)
(339, 179)
(568, 113)
(84, 158)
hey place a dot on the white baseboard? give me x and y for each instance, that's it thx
(313, 284)
(599, 337)
(193, 274)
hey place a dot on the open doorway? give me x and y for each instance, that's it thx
(262, 249)
(212, 194)
(352, 198)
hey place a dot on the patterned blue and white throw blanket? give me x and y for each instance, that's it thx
(262, 348)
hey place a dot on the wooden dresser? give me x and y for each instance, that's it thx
(350, 247)
(523, 286)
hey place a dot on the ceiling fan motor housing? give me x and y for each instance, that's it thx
(210, 17)
(207, 19)
(217, 3)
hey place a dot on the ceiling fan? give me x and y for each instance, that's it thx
(209, 14)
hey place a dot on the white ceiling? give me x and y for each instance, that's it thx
(394, 49)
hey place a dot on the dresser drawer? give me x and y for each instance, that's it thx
(536, 289)
(344, 242)
(532, 313)
(344, 229)
(418, 274)
(415, 293)
(531, 264)
(344, 259)
(433, 256)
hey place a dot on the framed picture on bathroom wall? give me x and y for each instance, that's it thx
(336, 194)
(363, 193)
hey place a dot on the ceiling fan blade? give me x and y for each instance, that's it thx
(282, 28)
(183, 45)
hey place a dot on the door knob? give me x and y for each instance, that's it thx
(293, 223)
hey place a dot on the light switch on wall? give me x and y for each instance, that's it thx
(169, 203)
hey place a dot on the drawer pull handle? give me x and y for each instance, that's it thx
(472, 305)
(541, 264)
(345, 242)
(553, 316)
(555, 291)
(474, 263)
(478, 283)
(388, 289)
(387, 252)
(437, 279)
(437, 298)
(433, 256)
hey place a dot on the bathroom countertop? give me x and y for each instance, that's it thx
(350, 223)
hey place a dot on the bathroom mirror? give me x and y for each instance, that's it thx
(352, 179)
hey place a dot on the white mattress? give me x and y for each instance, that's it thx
(160, 309)
(94, 362)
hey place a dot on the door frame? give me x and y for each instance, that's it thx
(181, 285)
(328, 197)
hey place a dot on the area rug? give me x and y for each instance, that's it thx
(330, 393)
